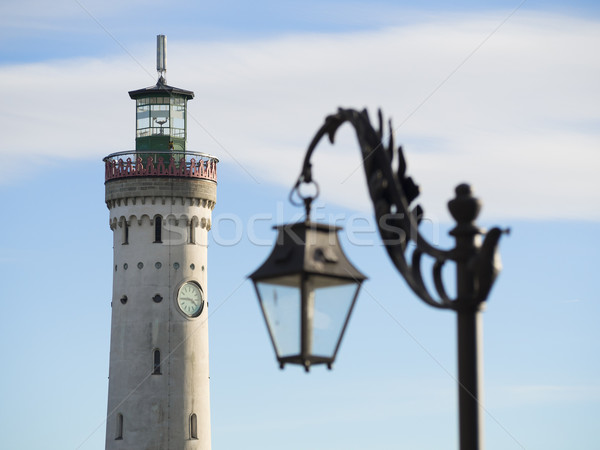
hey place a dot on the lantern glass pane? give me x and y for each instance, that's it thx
(332, 305)
(281, 306)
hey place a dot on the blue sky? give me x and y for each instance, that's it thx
(504, 96)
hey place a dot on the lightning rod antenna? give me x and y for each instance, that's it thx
(161, 57)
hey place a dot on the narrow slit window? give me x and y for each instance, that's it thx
(157, 229)
(119, 434)
(192, 232)
(193, 427)
(156, 362)
(125, 232)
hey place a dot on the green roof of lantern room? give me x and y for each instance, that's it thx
(161, 88)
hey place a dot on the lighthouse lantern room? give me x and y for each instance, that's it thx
(161, 121)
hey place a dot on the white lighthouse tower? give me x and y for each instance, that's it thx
(160, 199)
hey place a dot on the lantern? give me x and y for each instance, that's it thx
(307, 289)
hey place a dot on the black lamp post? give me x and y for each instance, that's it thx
(307, 287)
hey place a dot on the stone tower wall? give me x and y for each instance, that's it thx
(156, 408)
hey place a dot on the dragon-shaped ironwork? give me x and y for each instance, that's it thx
(393, 194)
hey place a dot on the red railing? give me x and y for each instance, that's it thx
(155, 164)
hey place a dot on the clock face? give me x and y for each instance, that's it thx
(190, 299)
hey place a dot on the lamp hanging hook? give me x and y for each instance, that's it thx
(306, 200)
(328, 128)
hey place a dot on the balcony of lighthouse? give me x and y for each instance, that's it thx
(146, 163)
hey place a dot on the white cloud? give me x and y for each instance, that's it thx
(519, 119)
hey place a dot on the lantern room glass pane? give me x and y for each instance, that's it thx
(281, 306)
(178, 121)
(159, 119)
(143, 116)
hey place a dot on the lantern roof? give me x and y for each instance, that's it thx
(307, 247)
(161, 88)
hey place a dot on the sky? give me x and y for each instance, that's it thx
(503, 95)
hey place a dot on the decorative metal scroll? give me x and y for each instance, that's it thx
(392, 194)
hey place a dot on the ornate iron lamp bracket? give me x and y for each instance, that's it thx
(392, 193)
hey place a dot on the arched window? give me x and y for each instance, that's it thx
(156, 362)
(158, 230)
(119, 434)
(193, 427)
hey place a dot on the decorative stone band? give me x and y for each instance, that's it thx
(149, 163)
(172, 219)
(160, 191)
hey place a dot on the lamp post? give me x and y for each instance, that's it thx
(289, 302)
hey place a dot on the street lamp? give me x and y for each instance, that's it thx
(289, 283)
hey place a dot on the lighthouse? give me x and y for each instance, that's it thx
(160, 199)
